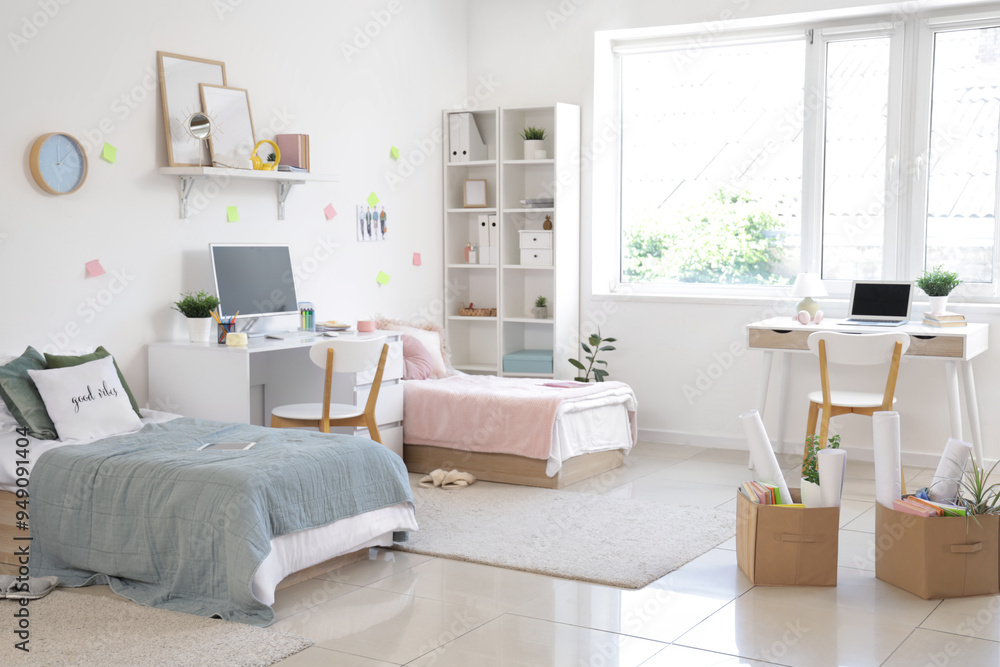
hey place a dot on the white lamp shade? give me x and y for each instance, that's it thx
(808, 284)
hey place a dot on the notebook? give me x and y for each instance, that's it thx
(879, 303)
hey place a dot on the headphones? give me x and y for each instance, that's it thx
(803, 317)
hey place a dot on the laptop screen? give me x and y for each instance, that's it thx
(889, 300)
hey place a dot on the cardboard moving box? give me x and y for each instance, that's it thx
(939, 556)
(787, 546)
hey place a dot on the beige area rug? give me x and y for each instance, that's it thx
(602, 539)
(89, 631)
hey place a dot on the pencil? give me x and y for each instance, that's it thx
(216, 318)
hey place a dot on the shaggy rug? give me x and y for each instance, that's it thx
(608, 540)
(86, 630)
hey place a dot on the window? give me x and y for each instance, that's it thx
(827, 148)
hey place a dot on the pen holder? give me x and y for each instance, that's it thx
(224, 330)
(308, 319)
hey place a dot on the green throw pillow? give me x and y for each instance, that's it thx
(56, 361)
(22, 398)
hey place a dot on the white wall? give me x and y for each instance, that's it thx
(543, 52)
(95, 62)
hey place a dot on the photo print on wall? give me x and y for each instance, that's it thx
(372, 222)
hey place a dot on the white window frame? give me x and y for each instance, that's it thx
(911, 39)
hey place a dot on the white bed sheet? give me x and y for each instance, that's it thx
(584, 427)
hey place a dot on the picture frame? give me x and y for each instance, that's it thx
(474, 193)
(179, 79)
(232, 142)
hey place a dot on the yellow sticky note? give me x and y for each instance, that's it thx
(232, 214)
(109, 153)
(382, 278)
(394, 153)
(372, 199)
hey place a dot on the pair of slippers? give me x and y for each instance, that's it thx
(38, 587)
(447, 479)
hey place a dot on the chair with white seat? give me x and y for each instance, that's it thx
(835, 347)
(339, 356)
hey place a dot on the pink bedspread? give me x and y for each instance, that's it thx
(484, 413)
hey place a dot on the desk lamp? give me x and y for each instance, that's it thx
(808, 285)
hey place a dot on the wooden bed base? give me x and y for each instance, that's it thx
(509, 468)
(9, 546)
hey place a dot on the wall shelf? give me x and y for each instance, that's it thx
(283, 179)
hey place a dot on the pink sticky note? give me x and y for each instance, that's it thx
(94, 268)
(416, 259)
(330, 211)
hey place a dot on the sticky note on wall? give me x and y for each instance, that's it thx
(372, 199)
(382, 278)
(109, 153)
(232, 214)
(330, 211)
(94, 268)
(416, 259)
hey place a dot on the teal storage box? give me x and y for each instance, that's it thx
(528, 361)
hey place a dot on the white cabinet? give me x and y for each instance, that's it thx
(530, 261)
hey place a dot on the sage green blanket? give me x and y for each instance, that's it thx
(168, 526)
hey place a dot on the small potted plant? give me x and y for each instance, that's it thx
(533, 141)
(810, 470)
(197, 308)
(938, 284)
(596, 345)
(541, 309)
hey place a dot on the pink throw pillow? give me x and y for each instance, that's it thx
(417, 361)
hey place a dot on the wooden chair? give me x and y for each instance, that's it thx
(856, 350)
(339, 356)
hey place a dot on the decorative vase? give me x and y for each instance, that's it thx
(810, 494)
(200, 329)
(939, 304)
(540, 312)
(531, 146)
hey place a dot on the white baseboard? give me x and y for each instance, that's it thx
(921, 459)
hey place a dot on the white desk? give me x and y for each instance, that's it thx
(953, 345)
(243, 384)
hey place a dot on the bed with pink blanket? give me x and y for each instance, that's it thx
(518, 430)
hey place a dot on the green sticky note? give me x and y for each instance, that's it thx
(394, 153)
(372, 199)
(382, 278)
(232, 214)
(109, 153)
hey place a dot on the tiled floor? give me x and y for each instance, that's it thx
(404, 609)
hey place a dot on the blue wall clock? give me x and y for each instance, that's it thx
(58, 163)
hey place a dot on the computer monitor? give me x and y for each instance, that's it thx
(254, 280)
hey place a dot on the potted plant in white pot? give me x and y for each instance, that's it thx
(810, 470)
(938, 284)
(533, 141)
(197, 308)
(541, 309)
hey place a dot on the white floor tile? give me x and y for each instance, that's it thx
(939, 649)
(977, 616)
(302, 596)
(517, 640)
(321, 657)
(677, 656)
(381, 563)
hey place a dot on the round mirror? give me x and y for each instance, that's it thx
(200, 126)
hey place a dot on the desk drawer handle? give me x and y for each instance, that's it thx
(781, 331)
(925, 337)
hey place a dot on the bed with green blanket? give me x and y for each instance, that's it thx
(168, 525)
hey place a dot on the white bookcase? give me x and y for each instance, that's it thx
(511, 285)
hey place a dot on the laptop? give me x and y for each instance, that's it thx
(879, 303)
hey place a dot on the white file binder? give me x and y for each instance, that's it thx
(494, 232)
(465, 141)
(484, 232)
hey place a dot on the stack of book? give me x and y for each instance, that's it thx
(763, 493)
(294, 151)
(921, 507)
(947, 319)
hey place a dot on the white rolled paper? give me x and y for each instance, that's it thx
(832, 465)
(950, 470)
(885, 441)
(764, 460)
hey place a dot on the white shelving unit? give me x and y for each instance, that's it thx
(283, 179)
(479, 343)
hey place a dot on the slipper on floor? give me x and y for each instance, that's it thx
(38, 587)
(6, 581)
(435, 478)
(456, 479)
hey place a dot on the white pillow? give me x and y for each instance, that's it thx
(429, 339)
(86, 402)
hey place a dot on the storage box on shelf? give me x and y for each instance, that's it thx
(509, 273)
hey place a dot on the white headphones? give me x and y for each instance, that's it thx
(803, 317)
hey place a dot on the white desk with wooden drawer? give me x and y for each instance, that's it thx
(953, 345)
(243, 384)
